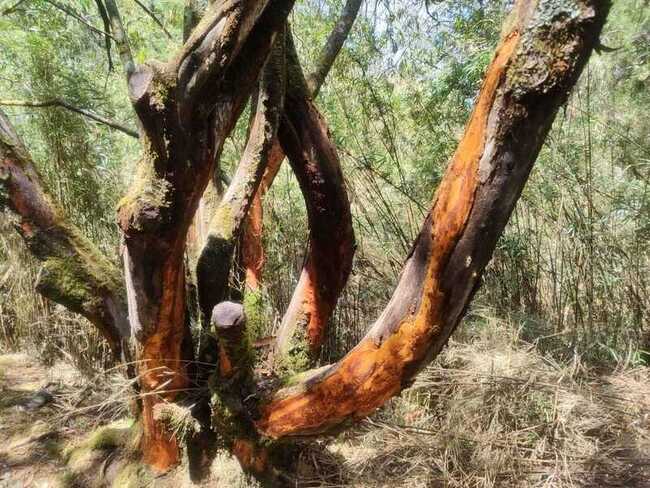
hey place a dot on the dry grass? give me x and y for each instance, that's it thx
(495, 412)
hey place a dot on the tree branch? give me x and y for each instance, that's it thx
(540, 57)
(74, 15)
(74, 273)
(251, 240)
(333, 46)
(154, 18)
(107, 28)
(120, 37)
(56, 102)
(305, 139)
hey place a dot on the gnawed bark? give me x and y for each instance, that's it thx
(75, 273)
(538, 61)
(252, 257)
(305, 139)
(186, 108)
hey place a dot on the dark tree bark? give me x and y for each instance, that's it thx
(186, 108)
(75, 273)
(252, 258)
(305, 138)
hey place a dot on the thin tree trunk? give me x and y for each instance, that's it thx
(252, 258)
(304, 137)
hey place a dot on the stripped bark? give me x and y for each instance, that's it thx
(543, 50)
(304, 137)
(75, 273)
(252, 256)
(186, 108)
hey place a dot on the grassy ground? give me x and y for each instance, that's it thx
(492, 412)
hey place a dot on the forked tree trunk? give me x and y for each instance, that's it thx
(187, 108)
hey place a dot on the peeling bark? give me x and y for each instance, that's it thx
(542, 53)
(305, 139)
(186, 108)
(75, 273)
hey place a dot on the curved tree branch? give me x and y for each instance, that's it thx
(541, 55)
(252, 258)
(75, 273)
(57, 102)
(304, 137)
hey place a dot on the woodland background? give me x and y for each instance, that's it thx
(546, 381)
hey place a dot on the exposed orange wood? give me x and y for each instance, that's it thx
(373, 372)
(253, 257)
(162, 372)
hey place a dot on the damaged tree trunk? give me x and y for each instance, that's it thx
(538, 61)
(186, 107)
(252, 256)
(305, 139)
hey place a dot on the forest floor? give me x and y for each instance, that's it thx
(492, 412)
(30, 450)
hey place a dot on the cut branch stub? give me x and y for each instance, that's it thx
(229, 324)
(305, 139)
(75, 273)
(538, 61)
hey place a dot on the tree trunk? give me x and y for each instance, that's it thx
(252, 258)
(305, 138)
(75, 273)
(539, 59)
(186, 108)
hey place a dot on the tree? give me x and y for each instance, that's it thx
(185, 109)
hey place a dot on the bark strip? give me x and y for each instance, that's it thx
(543, 51)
